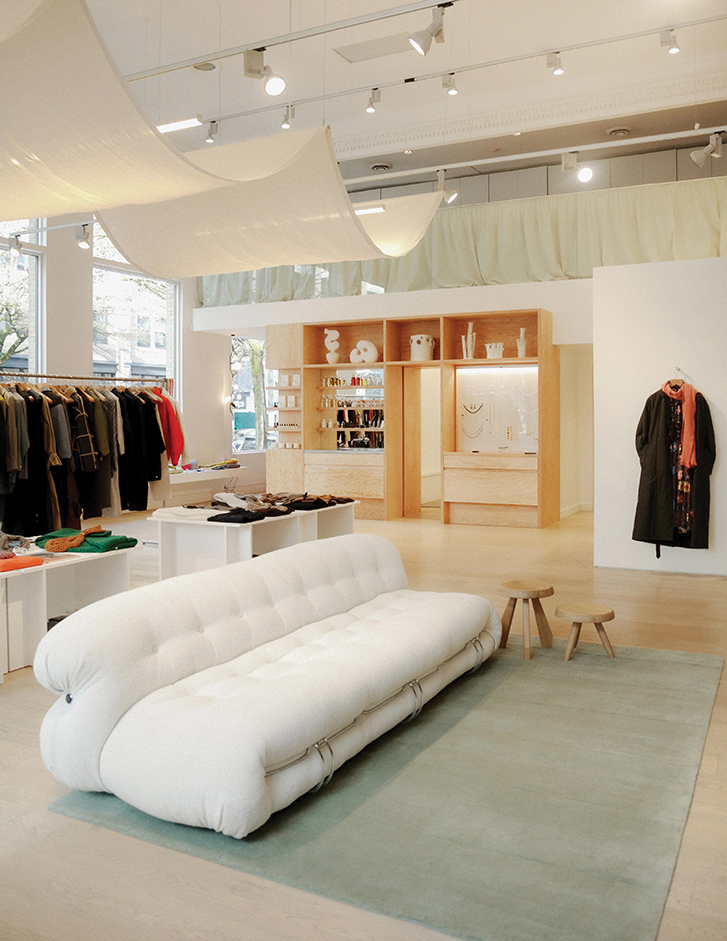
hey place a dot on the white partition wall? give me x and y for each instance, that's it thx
(647, 319)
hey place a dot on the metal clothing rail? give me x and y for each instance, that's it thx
(165, 381)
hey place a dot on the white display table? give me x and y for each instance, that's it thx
(196, 545)
(67, 581)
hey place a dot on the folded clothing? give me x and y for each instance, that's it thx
(237, 516)
(100, 541)
(19, 562)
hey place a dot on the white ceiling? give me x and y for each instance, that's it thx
(630, 82)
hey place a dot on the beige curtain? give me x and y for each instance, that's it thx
(548, 238)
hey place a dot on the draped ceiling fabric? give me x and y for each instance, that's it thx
(546, 238)
(73, 140)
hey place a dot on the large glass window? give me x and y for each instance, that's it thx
(19, 299)
(252, 421)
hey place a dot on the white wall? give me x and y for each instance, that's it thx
(647, 319)
(205, 381)
(571, 303)
(68, 342)
(576, 429)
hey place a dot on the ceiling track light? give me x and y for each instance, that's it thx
(422, 40)
(289, 115)
(374, 99)
(254, 67)
(552, 61)
(713, 149)
(83, 237)
(668, 40)
(449, 194)
(569, 161)
(448, 84)
(194, 121)
(213, 129)
(14, 245)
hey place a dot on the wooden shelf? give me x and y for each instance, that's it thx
(505, 361)
(356, 388)
(282, 388)
(283, 408)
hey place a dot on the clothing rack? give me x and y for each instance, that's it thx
(166, 381)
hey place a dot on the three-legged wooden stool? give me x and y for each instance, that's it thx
(585, 614)
(527, 591)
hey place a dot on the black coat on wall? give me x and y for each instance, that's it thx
(654, 520)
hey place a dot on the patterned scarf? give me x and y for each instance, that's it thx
(686, 394)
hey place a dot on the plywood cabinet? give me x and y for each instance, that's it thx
(513, 479)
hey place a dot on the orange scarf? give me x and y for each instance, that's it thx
(686, 394)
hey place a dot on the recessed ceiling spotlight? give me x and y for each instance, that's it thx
(517, 133)
(552, 61)
(618, 131)
(205, 66)
(408, 151)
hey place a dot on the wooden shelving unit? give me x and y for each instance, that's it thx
(495, 489)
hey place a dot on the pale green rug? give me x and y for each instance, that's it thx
(531, 801)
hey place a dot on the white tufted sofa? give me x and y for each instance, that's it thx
(216, 698)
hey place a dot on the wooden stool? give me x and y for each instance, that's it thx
(527, 591)
(585, 614)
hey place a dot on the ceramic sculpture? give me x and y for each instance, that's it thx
(332, 345)
(364, 352)
(422, 347)
(522, 344)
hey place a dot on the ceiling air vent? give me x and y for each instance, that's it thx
(618, 131)
(376, 167)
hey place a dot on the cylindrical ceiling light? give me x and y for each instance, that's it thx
(585, 174)
(83, 238)
(448, 84)
(289, 115)
(14, 246)
(274, 84)
(669, 41)
(449, 194)
(374, 99)
(552, 61)
(213, 128)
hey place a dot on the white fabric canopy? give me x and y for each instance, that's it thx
(72, 139)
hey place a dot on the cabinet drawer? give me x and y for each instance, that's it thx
(514, 487)
(347, 480)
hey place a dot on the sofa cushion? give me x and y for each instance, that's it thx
(196, 751)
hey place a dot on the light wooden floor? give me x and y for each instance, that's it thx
(69, 881)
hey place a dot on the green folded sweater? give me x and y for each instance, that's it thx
(104, 541)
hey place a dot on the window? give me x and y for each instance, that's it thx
(252, 423)
(19, 299)
(134, 317)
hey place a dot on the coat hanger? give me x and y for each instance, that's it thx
(676, 382)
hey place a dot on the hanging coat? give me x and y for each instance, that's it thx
(654, 520)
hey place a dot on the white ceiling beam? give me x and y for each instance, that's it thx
(538, 154)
